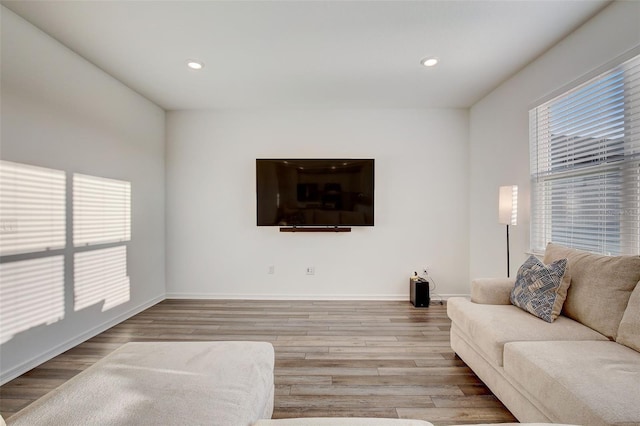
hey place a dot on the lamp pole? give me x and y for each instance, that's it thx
(507, 251)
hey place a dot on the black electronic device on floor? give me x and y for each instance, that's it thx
(419, 293)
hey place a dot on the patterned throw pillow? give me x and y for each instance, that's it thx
(541, 289)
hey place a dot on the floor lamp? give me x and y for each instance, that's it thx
(508, 210)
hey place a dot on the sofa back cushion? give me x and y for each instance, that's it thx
(629, 331)
(600, 286)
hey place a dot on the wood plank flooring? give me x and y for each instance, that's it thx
(333, 358)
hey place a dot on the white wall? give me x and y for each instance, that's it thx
(215, 249)
(499, 132)
(61, 112)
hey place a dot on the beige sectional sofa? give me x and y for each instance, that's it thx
(583, 368)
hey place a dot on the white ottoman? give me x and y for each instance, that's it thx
(164, 383)
(342, 421)
(362, 421)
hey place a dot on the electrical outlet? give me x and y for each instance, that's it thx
(271, 270)
(311, 270)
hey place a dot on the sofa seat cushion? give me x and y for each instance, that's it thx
(583, 382)
(491, 326)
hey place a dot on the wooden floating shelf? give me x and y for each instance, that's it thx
(315, 229)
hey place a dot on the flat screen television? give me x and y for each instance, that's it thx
(315, 192)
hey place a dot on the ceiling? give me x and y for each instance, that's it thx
(309, 54)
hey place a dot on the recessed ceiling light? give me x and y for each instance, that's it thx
(195, 65)
(429, 61)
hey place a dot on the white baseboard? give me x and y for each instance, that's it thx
(57, 350)
(229, 296)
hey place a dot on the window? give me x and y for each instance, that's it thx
(585, 165)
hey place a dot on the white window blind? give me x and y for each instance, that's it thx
(101, 210)
(585, 165)
(32, 208)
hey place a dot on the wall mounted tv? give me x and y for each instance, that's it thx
(315, 192)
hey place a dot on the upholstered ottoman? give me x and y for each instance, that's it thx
(341, 421)
(362, 421)
(164, 383)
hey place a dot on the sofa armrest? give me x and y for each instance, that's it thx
(492, 291)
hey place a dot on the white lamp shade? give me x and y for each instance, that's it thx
(508, 205)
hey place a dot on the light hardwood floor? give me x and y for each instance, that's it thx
(333, 358)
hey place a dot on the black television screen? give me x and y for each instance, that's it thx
(315, 192)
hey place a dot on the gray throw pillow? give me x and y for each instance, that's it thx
(541, 289)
